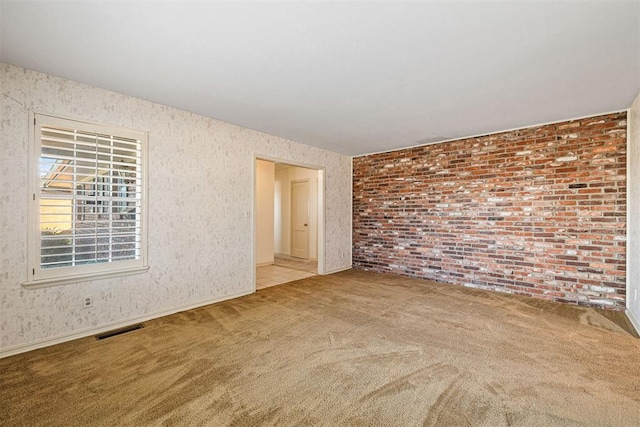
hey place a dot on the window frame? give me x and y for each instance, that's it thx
(38, 277)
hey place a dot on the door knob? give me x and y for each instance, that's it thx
(305, 225)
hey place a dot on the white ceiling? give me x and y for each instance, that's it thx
(352, 77)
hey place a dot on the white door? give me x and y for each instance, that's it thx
(300, 219)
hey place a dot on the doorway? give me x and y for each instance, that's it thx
(288, 222)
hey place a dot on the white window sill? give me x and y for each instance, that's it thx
(57, 281)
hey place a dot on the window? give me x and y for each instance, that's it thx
(88, 201)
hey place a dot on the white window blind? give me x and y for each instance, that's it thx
(89, 199)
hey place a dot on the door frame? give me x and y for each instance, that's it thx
(320, 239)
(295, 181)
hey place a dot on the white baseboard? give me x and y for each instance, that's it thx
(338, 270)
(23, 348)
(634, 321)
(263, 264)
(310, 258)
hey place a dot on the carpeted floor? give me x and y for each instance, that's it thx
(353, 348)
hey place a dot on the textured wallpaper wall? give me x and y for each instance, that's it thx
(200, 189)
(633, 232)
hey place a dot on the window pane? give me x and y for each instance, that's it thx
(90, 197)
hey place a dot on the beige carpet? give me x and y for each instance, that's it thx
(353, 348)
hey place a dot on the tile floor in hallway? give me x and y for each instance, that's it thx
(271, 275)
(287, 261)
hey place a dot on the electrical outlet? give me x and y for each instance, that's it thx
(87, 302)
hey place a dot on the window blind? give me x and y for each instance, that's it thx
(90, 197)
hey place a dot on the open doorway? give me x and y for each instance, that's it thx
(289, 219)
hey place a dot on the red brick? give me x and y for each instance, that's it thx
(501, 211)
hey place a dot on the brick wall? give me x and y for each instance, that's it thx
(538, 211)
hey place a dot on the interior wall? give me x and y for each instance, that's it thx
(277, 215)
(265, 173)
(281, 243)
(633, 232)
(200, 211)
(538, 211)
(283, 179)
